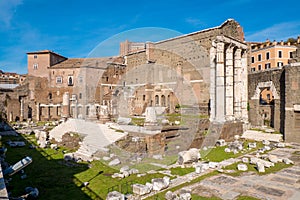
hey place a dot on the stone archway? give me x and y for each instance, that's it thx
(264, 109)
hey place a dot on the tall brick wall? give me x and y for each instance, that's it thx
(292, 98)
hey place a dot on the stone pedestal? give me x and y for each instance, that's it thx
(104, 115)
(151, 120)
(92, 116)
(66, 105)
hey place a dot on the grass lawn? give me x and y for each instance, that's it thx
(57, 179)
(182, 171)
(276, 168)
(217, 154)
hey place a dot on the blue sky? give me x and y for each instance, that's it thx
(74, 28)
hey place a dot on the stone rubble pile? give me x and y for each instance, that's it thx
(157, 184)
(183, 195)
(125, 171)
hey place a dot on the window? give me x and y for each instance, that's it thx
(268, 55)
(70, 80)
(259, 57)
(267, 65)
(35, 66)
(58, 79)
(144, 97)
(80, 95)
(291, 54)
(279, 64)
(35, 56)
(259, 67)
(269, 97)
(253, 69)
(279, 54)
(252, 59)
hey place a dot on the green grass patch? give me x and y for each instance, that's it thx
(161, 195)
(252, 168)
(218, 154)
(182, 171)
(137, 121)
(58, 179)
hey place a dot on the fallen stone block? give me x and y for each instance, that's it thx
(221, 142)
(140, 189)
(170, 196)
(133, 171)
(260, 167)
(288, 161)
(252, 145)
(266, 142)
(280, 145)
(114, 162)
(160, 183)
(114, 195)
(190, 156)
(245, 160)
(124, 168)
(242, 167)
(185, 196)
(273, 159)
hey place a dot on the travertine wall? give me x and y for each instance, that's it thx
(292, 103)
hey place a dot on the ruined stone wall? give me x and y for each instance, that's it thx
(292, 103)
(257, 82)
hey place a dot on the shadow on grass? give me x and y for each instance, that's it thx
(54, 177)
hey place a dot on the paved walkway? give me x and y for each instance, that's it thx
(283, 184)
(260, 136)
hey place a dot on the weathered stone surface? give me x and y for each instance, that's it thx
(260, 167)
(287, 161)
(185, 196)
(266, 142)
(114, 162)
(252, 145)
(190, 156)
(213, 165)
(274, 159)
(242, 167)
(280, 145)
(114, 195)
(133, 171)
(160, 183)
(221, 143)
(245, 160)
(124, 168)
(140, 189)
(170, 196)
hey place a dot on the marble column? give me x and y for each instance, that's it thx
(38, 112)
(237, 83)
(213, 53)
(21, 109)
(66, 105)
(244, 94)
(229, 89)
(220, 83)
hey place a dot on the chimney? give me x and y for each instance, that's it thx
(274, 42)
(281, 42)
(268, 42)
(298, 40)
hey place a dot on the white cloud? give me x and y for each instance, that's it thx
(8, 8)
(281, 31)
